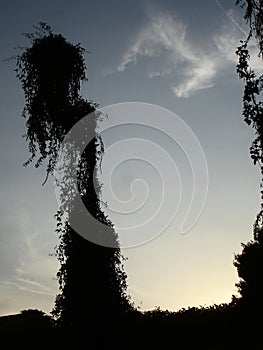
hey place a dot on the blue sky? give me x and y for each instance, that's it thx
(178, 55)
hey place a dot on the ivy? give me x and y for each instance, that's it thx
(51, 72)
(253, 87)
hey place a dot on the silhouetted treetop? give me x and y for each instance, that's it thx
(51, 71)
(249, 264)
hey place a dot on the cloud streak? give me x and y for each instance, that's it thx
(191, 66)
(31, 270)
(155, 38)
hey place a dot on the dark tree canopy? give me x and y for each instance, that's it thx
(252, 97)
(91, 277)
(51, 71)
(249, 263)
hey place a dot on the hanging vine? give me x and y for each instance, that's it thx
(51, 71)
(252, 96)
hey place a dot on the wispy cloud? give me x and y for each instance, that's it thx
(156, 37)
(30, 270)
(232, 16)
(191, 66)
(35, 270)
(166, 36)
(228, 38)
(199, 75)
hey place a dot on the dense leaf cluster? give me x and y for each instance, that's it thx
(249, 263)
(91, 277)
(252, 97)
(50, 72)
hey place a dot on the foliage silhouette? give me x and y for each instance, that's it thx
(252, 104)
(249, 263)
(91, 277)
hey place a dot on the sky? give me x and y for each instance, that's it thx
(180, 57)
